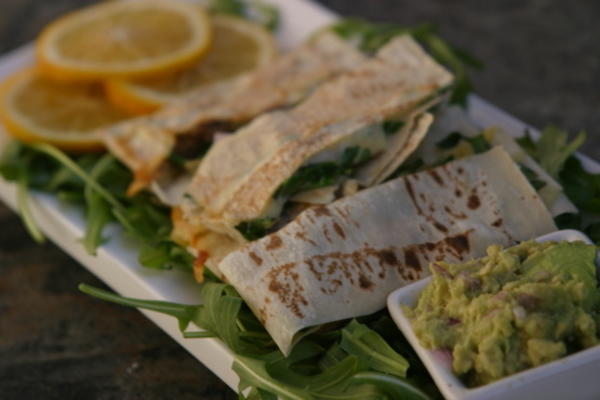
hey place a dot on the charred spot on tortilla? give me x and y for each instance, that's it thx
(411, 260)
(364, 282)
(459, 243)
(274, 242)
(497, 223)
(440, 227)
(257, 260)
(473, 202)
(338, 229)
(436, 177)
(454, 214)
(321, 211)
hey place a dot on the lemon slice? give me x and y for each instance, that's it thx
(132, 38)
(237, 46)
(36, 109)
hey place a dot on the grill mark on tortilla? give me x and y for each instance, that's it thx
(440, 227)
(364, 282)
(459, 243)
(284, 282)
(274, 242)
(497, 223)
(302, 236)
(257, 260)
(354, 267)
(436, 177)
(326, 234)
(473, 203)
(411, 260)
(338, 229)
(321, 211)
(454, 214)
(458, 192)
(409, 188)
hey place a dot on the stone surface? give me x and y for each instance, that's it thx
(542, 65)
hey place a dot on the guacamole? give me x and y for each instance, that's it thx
(511, 310)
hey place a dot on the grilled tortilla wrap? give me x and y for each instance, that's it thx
(144, 143)
(240, 179)
(342, 260)
(455, 119)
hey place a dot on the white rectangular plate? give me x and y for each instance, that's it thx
(116, 262)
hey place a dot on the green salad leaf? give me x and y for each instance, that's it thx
(318, 175)
(552, 149)
(97, 183)
(359, 362)
(478, 143)
(557, 156)
(255, 229)
(308, 177)
(366, 344)
(253, 10)
(532, 177)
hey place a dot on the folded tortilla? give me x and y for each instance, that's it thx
(238, 178)
(144, 143)
(342, 260)
(455, 119)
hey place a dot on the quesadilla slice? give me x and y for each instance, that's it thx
(342, 260)
(352, 128)
(455, 135)
(187, 125)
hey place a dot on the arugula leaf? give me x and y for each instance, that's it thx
(391, 126)
(553, 148)
(183, 313)
(395, 387)
(593, 232)
(582, 187)
(98, 212)
(309, 177)
(555, 155)
(366, 344)
(255, 229)
(478, 143)
(352, 157)
(253, 10)
(253, 373)
(98, 183)
(568, 221)
(370, 37)
(359, 365)
(314, 176)
(532, 177)
(24, 210)
(450, 141)
(220, 312)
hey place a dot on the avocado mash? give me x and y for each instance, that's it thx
(511, 310)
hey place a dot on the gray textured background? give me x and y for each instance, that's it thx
(542, 65)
